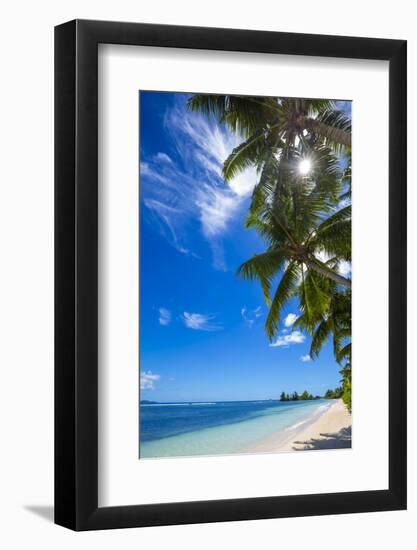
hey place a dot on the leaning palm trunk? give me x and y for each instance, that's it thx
(329, 274)
(324, 130)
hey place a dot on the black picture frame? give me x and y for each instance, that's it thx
(76, 272)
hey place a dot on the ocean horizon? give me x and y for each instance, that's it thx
(205, 428)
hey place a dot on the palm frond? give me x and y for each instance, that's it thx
(266, 186)
(242, 114)
(320, 336)
(314, 301)
(209, 104)
(263, 267)
(244, 155)
(335, 118)
(333, 235)
(344, 353)
(283, 293)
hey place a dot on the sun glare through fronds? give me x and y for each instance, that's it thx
(304, 167)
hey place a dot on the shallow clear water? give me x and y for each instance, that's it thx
(227, 427)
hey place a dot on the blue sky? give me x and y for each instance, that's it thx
(201, 327)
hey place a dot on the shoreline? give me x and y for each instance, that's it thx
(331, 430)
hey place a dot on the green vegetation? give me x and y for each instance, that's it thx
(346, 373)
(305, 396)
(334, 394)
(300, 207)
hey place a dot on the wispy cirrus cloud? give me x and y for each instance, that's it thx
(148, 380)
(186, 188)
(200, 321)
(305, 358)
(164, 316)
(250, 315)
(285, 340)
(162, 157)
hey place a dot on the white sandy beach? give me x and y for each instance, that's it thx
(331, 430)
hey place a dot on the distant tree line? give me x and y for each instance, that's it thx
(305, 396)
(337, 393)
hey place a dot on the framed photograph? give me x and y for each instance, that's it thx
(230, 275)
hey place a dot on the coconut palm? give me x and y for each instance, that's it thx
(303, 217)
(307, 237)
(346, 373)
(269, 125)
(334, 322)
(301, 266)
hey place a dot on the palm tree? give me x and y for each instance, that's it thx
(306, 236)
(269, 125)
(335, 322)
(305, 219)
(346, 373)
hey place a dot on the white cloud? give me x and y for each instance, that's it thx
(146, 170)
(168, 215)
(258, 311)
(345, 268)
(164, 316)
(305, 358)
(217, 251)
(250, 316)
(163, 157)
(200, 321)
(290, 319)
(217, 207)
(285, 340)
(192, 189)
(245, 317)
(148, 379)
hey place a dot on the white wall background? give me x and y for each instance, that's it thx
(26, 274)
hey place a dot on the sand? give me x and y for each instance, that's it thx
(332, 430)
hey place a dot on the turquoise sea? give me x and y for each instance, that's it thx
(221, 427)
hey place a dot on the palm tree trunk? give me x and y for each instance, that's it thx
(329, 274)
(324, 130)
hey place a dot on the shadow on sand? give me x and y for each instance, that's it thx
(338, 440)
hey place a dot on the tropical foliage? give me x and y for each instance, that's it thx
(337, 393)
(300, 207)
(305, 396)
